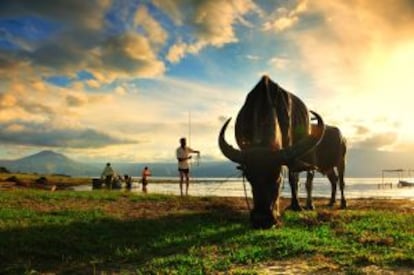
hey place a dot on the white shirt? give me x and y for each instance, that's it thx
(108, 171)
(183, 153)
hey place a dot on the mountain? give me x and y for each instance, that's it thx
(49, 162)
(360, 163)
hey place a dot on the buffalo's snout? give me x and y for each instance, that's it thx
(262, 219)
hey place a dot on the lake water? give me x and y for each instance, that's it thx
(234, 187)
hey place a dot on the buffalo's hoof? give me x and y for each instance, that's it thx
(295, 207)
(310, 206)
(343, 204)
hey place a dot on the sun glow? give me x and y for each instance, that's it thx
(390, 87)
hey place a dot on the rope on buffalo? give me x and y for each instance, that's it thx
(247, 198)
(223, 181)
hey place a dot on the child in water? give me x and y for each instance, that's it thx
(145, 174)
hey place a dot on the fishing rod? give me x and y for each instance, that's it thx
(189, 139)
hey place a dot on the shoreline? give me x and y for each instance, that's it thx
(234, 187)
(9, 186)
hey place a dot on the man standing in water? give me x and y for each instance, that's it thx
(183, 155)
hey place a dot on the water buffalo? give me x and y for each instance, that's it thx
(328, 155)
(272, 129)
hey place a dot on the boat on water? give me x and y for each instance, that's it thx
(98, 183)
(405, 183)
(401, 173)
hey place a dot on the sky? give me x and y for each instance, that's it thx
(122, 81)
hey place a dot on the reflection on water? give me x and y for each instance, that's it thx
(233, 187)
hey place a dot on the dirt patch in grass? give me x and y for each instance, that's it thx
(126, 208)
(399, 205)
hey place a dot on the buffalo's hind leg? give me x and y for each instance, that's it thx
(294, 187)
(341, 171)
(309, 186)
(333, 179)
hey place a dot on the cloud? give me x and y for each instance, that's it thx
(120, 90)
(74, 27)
(76, 100)
(338, 54)
(353, 57)
(58, 57)
(285, 18)
(280, 63)
(207, 23)
(253, 57)
(93, 83)
(44, 135)
(69, 36)
(7, 100)
(377, 141)
(174, 9)
(155, 32)
(222, 119)
(29, 106)
(130, 53)
(9, 64)
(177, 52)
(76, 12)
(362, 130)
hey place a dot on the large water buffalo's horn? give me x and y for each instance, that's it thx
(304, 146)
(227, 150)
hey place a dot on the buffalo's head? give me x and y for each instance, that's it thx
(262, 166)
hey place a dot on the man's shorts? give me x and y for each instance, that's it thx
(184, 170)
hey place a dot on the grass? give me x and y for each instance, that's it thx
(30, 180)
(116, 232)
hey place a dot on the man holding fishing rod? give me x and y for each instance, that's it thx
(183, 155)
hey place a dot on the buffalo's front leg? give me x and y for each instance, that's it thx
(294, 187)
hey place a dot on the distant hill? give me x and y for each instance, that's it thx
(360, 163)
(49, 162)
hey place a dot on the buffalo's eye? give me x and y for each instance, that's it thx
(245, 142)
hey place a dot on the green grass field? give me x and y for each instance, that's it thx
(129, 233)
(125, 233)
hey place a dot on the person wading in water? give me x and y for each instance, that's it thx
(145, 174)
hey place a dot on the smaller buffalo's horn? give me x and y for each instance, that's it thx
(227, 150)
(304, 146)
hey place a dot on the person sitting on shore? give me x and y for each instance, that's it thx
(117, 182)
(128, 181)
(108, 174)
